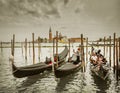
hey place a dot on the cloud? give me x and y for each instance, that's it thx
(66, 2)
(35, 8)
(13, 10)
(63, 15)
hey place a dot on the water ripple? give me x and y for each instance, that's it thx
(46, 82)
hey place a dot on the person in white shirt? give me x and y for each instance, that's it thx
(78, 56)
(94, 58)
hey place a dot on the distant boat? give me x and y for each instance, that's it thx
(67, 69)
(34, 69)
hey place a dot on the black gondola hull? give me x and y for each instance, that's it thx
(102, 73)
(59, 73)
(29, 72)
(38, 68)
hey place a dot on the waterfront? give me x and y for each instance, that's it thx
(80, 82)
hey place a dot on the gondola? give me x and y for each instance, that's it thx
(103, 72)
(100, 70)
(68, 68)
(98, 64)
(34, 69)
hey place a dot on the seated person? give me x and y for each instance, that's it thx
(94, 58)
(101, 61)
(48, 60)
(55, 58)
(100, 58)
(104, 61)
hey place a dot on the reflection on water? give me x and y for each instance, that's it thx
(101, 84)
(33, 79)
(63, 82)
(46, 83)
(70, 84)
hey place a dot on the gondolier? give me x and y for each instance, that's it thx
(78, 55)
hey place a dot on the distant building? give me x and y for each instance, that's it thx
(60, 35)
(50, 35)
(63, 39)
(76, 40)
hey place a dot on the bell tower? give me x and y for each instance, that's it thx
(50, 35)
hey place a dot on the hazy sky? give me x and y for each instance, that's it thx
(93, 18)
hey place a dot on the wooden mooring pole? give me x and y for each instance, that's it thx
(53, 47)
(107, 42)
(22, 47)
(119, 50)
(69, 48)
(25, 48)
(29, 48)
(53, 54)
(104, 46)
(86, 49)
(39, 47)
(110, 50)
(13, 46)
(117, 59)
(33, 48)
(84, 59)
(1, 47)
(114, 37)
(82, 53)
(57, 48)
